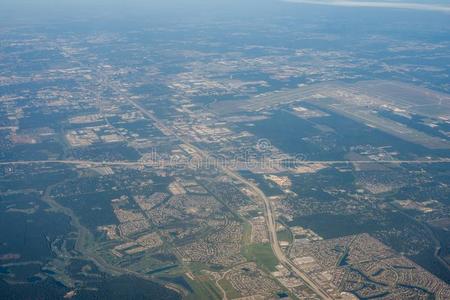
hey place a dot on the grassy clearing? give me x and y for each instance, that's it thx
(204, 289)
(284, 235)
(247, 233)
(263, 255)
(231, 292)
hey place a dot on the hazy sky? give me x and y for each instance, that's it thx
(14, 10)
(28, 12)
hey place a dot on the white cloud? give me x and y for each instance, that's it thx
(377, 4)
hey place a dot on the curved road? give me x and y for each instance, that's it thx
(270, 218)
(268, 209)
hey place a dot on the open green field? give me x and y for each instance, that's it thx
(204, 289)
(247, 233)
(284, 235)
(261, 254)
(229, 290)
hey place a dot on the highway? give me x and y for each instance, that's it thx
(271, 225)
(261, 197)
(168, 163)
(269, 213)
